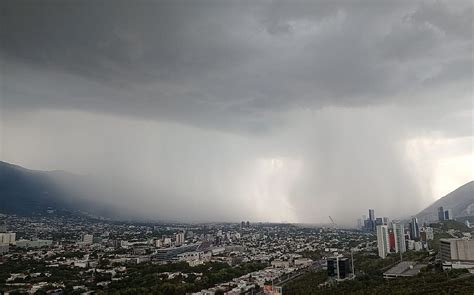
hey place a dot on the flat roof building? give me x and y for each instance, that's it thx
(166, 254)
(457, 250)
(403, 269)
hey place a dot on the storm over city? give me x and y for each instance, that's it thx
(278, 111)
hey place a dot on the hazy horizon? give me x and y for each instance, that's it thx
(263, 111)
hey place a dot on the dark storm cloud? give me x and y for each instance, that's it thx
(269, 109)
(228, 62)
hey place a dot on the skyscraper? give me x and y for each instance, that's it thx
(399, 235)
(179, 239)
(383, 240)
(441, 213)
(371, 220)
(391, 239)
(414, 229)
(378, 221)
(448, 214)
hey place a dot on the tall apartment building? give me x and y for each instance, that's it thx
(441, 213)
(399, 235)
(414, 229)
(383, 240)
(448, 214)
(179, 239)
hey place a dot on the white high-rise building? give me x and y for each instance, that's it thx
(399, 234)
(179, 238)
(383, 243)
(448, 214)
(167, 241)
(158, 243)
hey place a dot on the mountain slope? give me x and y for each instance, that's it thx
(31, 192)
(461, 201)
(24, 191)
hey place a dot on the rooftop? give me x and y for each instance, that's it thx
(404, 269)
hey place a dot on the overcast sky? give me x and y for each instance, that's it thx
(243, 110)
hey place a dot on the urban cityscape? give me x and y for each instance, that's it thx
(227, 147)
(53, 254)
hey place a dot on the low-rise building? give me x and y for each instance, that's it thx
(280, 263)
(171, 253)
(195, 257)
(457, 250)
(403, 269)
(8, 238)
(33, 244)
(303, 262)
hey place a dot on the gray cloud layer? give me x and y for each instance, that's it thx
(336, 88)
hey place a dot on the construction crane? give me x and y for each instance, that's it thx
(332, 221)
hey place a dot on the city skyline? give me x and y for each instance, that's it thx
(265, 111)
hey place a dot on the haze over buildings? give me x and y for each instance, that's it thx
(269, 110)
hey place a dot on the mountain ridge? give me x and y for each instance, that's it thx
(26, 191)
(460, 201)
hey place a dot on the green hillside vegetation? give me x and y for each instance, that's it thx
(451, 224)
(149, 278)
(369, 280)
(427, 282)
(440, 232)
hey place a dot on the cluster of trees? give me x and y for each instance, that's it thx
(314, 255)
(63, 273)
(305, 284)
(450, 224)
(369, 279)
(440, 232)
(427, 282)
(140, 278)
(150, 278)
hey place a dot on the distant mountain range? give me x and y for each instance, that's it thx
(460, 201)
(31, 192)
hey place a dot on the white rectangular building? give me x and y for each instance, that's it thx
(88, 239)
(179, 238)
(457, 250)
(399, 235)
(8, 238)
(383, 243)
